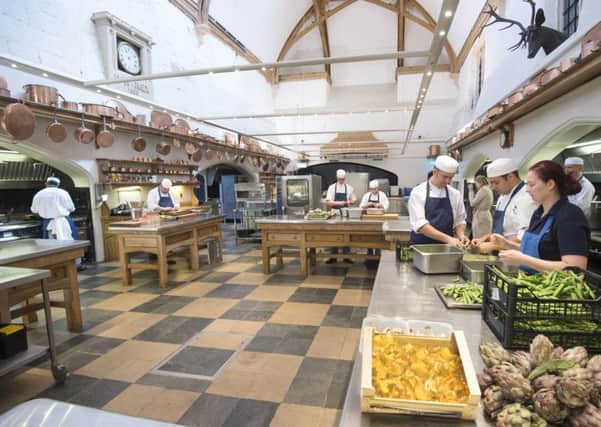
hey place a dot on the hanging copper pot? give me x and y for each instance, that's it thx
(266, 166)
(209, 155)
(163, 148)
(104, 138)
(4, 87)
(41, 94)
(160, 120)
(138, 143)
(99, 110)
(83, 134)
(190, 148)
(18, 121)
(56, 131)
(121, 111)
(434, 150)
(197, 155)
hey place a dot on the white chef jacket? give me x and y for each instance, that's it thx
(152, 200)
(417, 203)
(584, 198)
(381, 197)
(339, 188)
(518, 213)
(52, 202)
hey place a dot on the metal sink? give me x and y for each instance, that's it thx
(437, 258)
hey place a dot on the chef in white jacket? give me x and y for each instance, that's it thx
(574, 168)
(162, 198)
(374, 198)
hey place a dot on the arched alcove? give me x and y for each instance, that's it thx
(327, 171)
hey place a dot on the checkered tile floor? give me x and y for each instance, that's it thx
(228, 346)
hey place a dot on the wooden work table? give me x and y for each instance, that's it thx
(309, 235)
(161, 238)
(57, 256)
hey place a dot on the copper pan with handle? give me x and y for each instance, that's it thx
(56, 131)
(190, 148)
(104, 138)
(163, 147)
(41, 94)
(197, 155)
(82, 134)
(18, 121)
(138, 143)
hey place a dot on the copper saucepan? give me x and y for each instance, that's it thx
(4, 87)
(190, 148)
(197, 155)
(99, 110)
(41, 94)
(83, 134)
(160, 120)
(104, 138)
(138, 143)
(56, 131)
(18, 121)
(163, 148)
(208, 154)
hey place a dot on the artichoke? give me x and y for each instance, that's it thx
(514, 386)
(484, 380)
(541, 349)
(547, 406)
(504, 367)
(545, 381)
(493, 401)
(595, 395)
(578, 354)
(516, 415)
(493, 354)
(556, 353)
(522, 361)
(589, 416)
(571, 392)
(582, 375)
(594, 365)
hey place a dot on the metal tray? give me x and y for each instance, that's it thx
(437, 258)
(473, 271)
(450, 302)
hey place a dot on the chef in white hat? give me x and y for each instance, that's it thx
(340, 195)
(162, 198)
(436, 210)
(574, 168)
(374, 198)
(514, 207)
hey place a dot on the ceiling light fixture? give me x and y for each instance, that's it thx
(263, 68)
(98, 90)
(448, 13)
(13, 65)
(118, 96)
(45, 74)
(442, 33)
(429, 73)
(237, 70)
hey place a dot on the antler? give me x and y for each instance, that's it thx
(497, 18)
(533, 7)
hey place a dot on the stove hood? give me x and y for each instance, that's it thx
(24, 174)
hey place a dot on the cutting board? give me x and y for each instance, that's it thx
(130, 223)
(382, 217)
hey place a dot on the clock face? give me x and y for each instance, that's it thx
(129, 58)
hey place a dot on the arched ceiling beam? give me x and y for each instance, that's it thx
(400, 31)
(318, 12)
(309, 21)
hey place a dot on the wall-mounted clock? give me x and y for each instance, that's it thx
(128, 57)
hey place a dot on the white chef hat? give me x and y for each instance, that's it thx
(340, 173)
(53, 180)
(500, 167)
(446, 164)
(166, 182)
(374, 183)
(574, 161)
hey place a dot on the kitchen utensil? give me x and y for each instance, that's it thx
(4, 87)
(190, 148)
(41, 94)
(139, 143)
(99, 110)
(160, 120)
(515, 98)
(56, 131)
(437, 258)
(181, 126)
(104, 138)
(121, 110)
(566, 64)
(374, 211)
(266, 166)
(163, 147)
(208, 154)
(83, 134)
(550, 75)
(4, 92)
(197, 155)
(531, 88)
(18, 121)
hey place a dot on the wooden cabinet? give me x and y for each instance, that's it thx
(131, 172)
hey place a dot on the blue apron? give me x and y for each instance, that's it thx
(439, 214)
(499, 215)
(165, 201)
(370, 200)
(74, 231)
(340, 197)
(531, 242)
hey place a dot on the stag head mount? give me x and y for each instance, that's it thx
(535, 35)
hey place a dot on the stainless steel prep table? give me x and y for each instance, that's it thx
(401, 290)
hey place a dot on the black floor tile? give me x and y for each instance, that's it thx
(285, 279)
(164, 304)
(91, 317)
(85, 351)
(230, 291)
(72, 342)
(99, 393)
(251, 413)
(329, 270)
(71, 387)
(313, 295)
(257, 269)
(175, 383)
(174, 329)
(98, 345)
(320, 382)
(218, 277)
(258, 311)
(344, 316)
(73, 360)
(95, 281)
(95, 269)
(198, 361)
(152, 287)
(250, 259)
(94, 297)
(209, 410)
(284, 339)
(358, 283)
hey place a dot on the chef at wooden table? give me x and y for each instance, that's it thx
(436, 210)
(559, 234)
(374, 198)
(162, 198)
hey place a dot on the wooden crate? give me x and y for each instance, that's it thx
(371, 403)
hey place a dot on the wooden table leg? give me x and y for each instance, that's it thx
(162, 263)
(4, 308)
(266, 259)
(312, 256)
(280, 257)
(72, 302)
(303, 261)
(123, 262)
(220, 240)
(194, 258)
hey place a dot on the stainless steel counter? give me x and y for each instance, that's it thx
(19, 250)
(401, 290)
(400, 225)
(15, 276)
(168, 224)
(290, 219)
